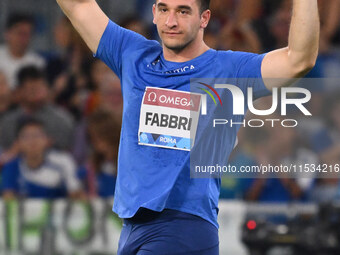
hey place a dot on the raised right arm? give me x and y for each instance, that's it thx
(87, 18)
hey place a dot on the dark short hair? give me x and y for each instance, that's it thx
(16, 18)
(30, 72)
(29, 121)
(205, 4)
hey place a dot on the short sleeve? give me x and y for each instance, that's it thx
(10, 176)
(248, 67)
(114, 43)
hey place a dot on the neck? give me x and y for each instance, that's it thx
(16, 53)
(195, 49)
(34, 161)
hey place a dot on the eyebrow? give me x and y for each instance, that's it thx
(186, 7)
(161, 5)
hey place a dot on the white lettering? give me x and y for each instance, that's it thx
(167, 140)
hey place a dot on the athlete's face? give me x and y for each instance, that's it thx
(179, 22)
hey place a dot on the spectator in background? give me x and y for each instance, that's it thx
(143, 14)
(227, 32)
(144, 7)
(274, 147)
(235, 188)
(105, 93)
(271, 22)
(105, 89)
(239, 37)
(137, 25)
(329, 57)
(68, 69)
(15, 53)
(271, 16)
(111, 95)
(261, 14)
(58, 62)
(39, 172)
(329, 13)
(100, 173)
(279, 25)
(222, 12)
(0, 185)
(327, 144)
(5, 95)
(34, 94)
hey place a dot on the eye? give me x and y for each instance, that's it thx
(183, 12)
(163, 10)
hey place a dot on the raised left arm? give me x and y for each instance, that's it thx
(300, 56)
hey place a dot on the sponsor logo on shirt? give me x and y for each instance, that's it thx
(181, 70)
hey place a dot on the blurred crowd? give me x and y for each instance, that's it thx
(60, 111)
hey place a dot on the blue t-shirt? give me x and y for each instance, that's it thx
(53, 179)
(275, 192)
(158, 178)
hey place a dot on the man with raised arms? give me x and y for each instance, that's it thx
(164, 210)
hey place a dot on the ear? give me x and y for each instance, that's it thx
(205, 18)
(154, 13)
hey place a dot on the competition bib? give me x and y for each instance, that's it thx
(169, 118)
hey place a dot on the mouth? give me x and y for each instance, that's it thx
(171, 34)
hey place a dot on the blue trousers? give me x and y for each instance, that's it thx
(169, 232)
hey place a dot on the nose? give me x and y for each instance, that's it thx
(171, 21)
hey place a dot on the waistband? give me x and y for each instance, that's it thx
(144, 215)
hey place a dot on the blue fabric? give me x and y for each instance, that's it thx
(274, 192)
(158, 178)
(172, 232)
(105, 183)
(13, 180)
(0, 183)
(321, 141)
(235, 188)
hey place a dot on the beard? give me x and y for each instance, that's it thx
(178, 45)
